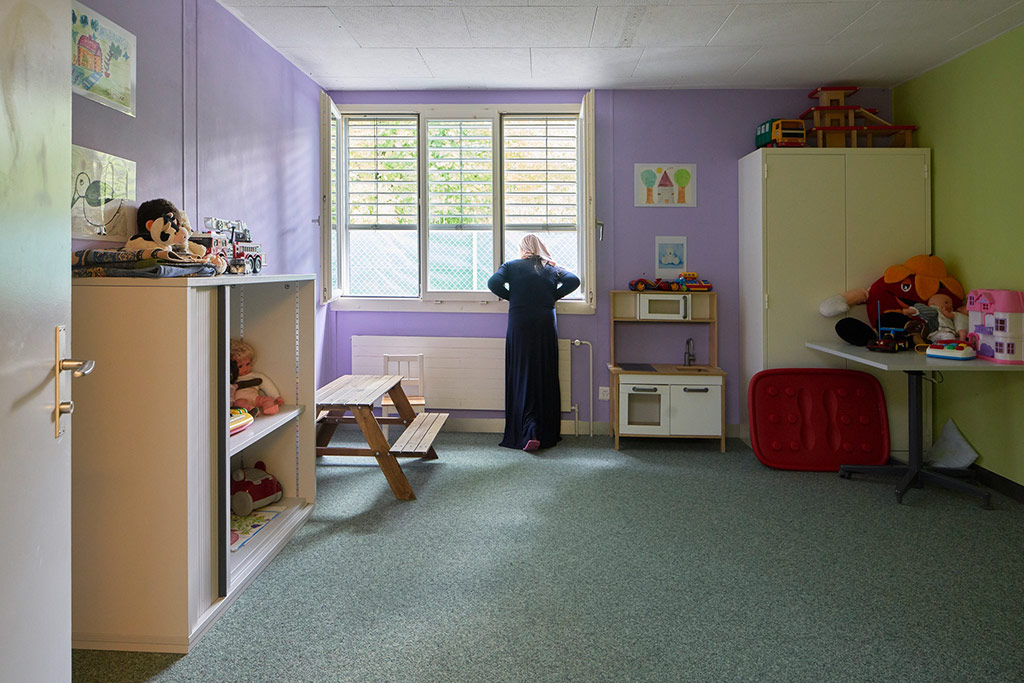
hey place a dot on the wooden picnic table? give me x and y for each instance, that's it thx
(358, 394)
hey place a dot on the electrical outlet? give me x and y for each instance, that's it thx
(602, 394)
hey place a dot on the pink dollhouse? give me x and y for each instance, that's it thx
(996, 318)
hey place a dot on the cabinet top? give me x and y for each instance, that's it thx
(216, 280)
(849, 151)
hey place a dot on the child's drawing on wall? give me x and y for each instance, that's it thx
(664, 185)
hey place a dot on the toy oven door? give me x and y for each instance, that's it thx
(643, 409)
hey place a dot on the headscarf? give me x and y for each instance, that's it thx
(531, 245)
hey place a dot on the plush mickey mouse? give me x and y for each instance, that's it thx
(161, 225)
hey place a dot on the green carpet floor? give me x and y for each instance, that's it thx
(665, 561)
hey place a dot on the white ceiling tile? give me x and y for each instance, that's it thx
(459, 3)
(657, 26)
(787, 66)
(689, 67)
(986, 30)
(888, 62)
(483, 44)
(404, 26)
(584, 67)
(479, 62)
(356, 83)
(530, 26)
(788, 23)
(941, 19)
(358, 62)
(297, 26)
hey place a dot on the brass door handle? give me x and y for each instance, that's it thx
(77, 368)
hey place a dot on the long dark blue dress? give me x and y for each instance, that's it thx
(532, 401)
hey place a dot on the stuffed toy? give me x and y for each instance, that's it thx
(251, 390)
(253, 487)
(161, 225)
(901, 287)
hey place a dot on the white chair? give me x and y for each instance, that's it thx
(410, 367)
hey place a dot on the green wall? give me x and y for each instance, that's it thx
(970, 111)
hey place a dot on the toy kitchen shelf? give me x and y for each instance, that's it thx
(667, 399)
(150, 529)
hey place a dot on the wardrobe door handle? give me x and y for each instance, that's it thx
(649, 390)
(691, 390)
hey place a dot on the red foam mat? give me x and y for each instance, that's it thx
(817, 419)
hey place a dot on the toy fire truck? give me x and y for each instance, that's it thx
(231, 240)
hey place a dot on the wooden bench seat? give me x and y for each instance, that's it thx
(418, 436)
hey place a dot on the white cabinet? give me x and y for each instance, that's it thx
(670, 405)
(814, 223)
(151, 452)
(667, 399)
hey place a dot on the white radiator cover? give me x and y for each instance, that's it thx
(460, 373)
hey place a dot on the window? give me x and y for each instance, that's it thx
(421, 205)
(1000, 324)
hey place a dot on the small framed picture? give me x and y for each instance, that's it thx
(664, 185)
(670, 257)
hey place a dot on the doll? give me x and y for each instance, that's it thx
(251, 390)
(941, 321)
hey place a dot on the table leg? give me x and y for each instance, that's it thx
(915, 473)
(382, 452)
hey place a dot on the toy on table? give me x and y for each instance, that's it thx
(996, 324)
(251, 390)
(900, 287)
(253, 487)
(160, 224)
(951, 351)
(936, 320)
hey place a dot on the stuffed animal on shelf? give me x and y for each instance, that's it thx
(253, 487)
(251, 390)
(914, 281)
(160, 224)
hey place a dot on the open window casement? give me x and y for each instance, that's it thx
(587, 206)
(330, 234)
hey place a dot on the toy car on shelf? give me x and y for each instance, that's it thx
(640, 284)
(690, 282)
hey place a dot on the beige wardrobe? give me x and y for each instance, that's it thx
(817, 222)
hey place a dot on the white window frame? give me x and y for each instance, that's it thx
(476, 302)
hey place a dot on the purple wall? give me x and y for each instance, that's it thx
(710, 128)
(224, 127)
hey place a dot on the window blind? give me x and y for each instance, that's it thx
(540, 173)
(381, 172)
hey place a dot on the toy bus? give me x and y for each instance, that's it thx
(781, 133)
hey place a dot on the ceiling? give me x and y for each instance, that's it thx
(577, 44)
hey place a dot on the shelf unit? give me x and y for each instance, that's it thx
(667, 399)
(152, 455)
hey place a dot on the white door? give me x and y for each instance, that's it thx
(35, 222)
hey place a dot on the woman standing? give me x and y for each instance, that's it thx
(532, 284)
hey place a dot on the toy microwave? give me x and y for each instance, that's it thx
(664, 306)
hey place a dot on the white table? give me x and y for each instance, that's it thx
(915, 365)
